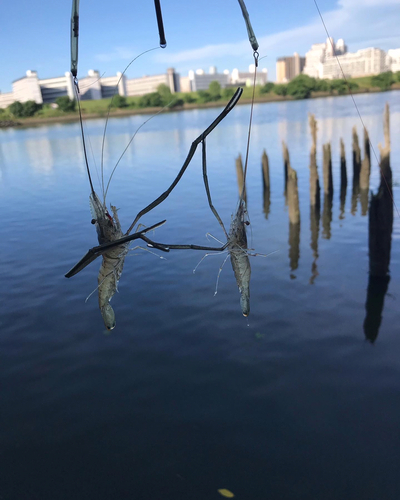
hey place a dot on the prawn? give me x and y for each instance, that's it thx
(113, 243)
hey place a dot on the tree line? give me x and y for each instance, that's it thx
(301, 87)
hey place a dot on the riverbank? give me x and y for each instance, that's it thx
(115, 113)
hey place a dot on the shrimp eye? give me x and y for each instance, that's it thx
(93, 221)
(247, 223)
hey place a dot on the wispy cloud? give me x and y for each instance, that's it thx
(361, 23)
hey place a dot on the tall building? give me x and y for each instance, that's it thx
(319, 52)
(289, 67)
(322, 61)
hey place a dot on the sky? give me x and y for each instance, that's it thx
(199, 34)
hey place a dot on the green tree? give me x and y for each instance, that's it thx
(214, 89)
(30, 108)
(165, 92)
(280, 89)
(203, 96)
(189, 98)
(119, 101)
(16, 109)
(66, 104)
(383, 80)
(301, 86)
(151, 100)
(228, 93)
(267, 88)
(339, 86)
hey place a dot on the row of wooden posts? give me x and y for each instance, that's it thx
(379, 206)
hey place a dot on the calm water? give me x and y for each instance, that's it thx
(186, 396)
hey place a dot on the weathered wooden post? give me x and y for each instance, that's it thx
(356, 171)
(380, 240)
(315, 199)
(286, 162)
(365, 173)
(327, 169)
(266, 184)
(343, 179)
(294, 215)
(240, 176)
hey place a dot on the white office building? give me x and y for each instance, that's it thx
(393, 60)
(364, 62)
(329, 61)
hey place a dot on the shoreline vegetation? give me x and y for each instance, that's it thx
(302, 87)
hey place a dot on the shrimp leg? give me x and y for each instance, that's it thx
(95, 252)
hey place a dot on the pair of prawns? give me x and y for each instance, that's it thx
(113, 243)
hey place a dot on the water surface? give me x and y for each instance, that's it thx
(186, 396)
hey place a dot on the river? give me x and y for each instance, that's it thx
(186, 396)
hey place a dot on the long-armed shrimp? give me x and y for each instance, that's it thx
(113, 243)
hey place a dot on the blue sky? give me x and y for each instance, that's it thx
(199, 33)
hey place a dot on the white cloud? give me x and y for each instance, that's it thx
(362, 23)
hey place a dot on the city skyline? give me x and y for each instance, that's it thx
(196, 37)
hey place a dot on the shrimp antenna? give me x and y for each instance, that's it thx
(355, 104)
(163, 41)
(108, 116)
(130, 141)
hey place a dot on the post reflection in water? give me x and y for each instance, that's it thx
(380, 241)
(343, 180)
(294, 212)
(266, 184)
(315, 215)
(356, 172)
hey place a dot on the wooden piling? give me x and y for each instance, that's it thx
(327, 169)
(356, 157)
(286, 163)
(240, 176)
(266, 184)
(294, 213)
(356, 172)
(315, 199)
(365, 173)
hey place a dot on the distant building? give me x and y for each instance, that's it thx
(315, 57)
(329, 60)
(364, 62)
(288, 68)
(92, 86)
(393, 60)
(199, 80)
(247, 77)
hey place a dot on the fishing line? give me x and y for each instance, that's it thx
(355, 104)
(108, 115)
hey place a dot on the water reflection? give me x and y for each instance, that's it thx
(266, 184)
(315, 215)
(380, 242)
